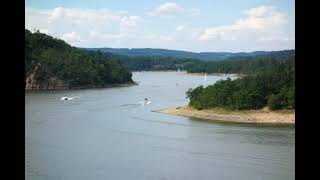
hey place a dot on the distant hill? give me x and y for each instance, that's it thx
(239, 64)
(207, 56)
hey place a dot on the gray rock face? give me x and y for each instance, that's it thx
(52, 84)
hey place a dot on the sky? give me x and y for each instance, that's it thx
(197, 26)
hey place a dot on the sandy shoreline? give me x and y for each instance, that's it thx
(251, 116)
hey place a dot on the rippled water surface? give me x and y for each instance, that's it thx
(103, 134)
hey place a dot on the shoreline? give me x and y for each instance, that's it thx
(217, 74)
(195, 74)
(41, 88)
(157, 71)
(262, 116)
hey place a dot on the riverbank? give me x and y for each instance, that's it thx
(249, 116)
(217, 74)
(197, 74)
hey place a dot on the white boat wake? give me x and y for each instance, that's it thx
(144, 102)
(66, 98)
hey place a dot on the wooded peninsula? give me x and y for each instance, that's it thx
(51, 63)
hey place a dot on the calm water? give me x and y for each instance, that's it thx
(100, 136)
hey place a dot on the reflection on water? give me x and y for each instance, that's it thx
(105, 134)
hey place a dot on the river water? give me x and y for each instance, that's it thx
(102, 134)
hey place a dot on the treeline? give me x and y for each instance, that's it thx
(243, 65)
(240, 66)
(273, 86)
(152, 63)
(54, 58)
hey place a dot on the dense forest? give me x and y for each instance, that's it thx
(240, 65)
(272, 86)
(237, 64)
(48, 58)
(154, 63)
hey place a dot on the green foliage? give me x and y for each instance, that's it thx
(276, 101)
(273, 86)
(240, 66)
(145, 63)
(244, 65)
(193, 94)
(57, 59)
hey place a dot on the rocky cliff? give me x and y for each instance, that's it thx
(52, 84)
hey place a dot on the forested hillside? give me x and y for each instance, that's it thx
(272, 85)
(51, 63)
(239, 66)
(145, 63)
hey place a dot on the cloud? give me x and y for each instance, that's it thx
(263, 18)
(45, 31)
(260, 27)
(180, 28)
(166, 10)
(275, 39)
(130, 21)
(260, 11)
(72, 23)
(170, 10)
(71, 37)
(96, 16)
(56, 14)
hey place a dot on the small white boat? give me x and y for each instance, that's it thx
(66, 98)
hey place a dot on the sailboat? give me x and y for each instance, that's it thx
(178, 69)
(205, 78)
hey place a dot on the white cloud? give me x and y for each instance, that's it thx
(275, 39)
(45, 31)
(56, 14)
(166, 10)
(260, 11)
(214, 32)
(180, 28)
(84, 16)
(170, 10)
(71, 37)
(263, 18)
(130, 21)
(72, 23)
